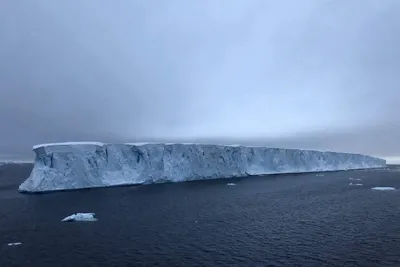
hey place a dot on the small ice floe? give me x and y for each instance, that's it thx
(354, 179)
(320, 174)
(79, 217)
(384, 188)
(230, 184)
(15, 244)
(351, 184)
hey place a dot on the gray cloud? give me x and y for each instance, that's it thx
(315, 74)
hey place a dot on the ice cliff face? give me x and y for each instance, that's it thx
(82, 165)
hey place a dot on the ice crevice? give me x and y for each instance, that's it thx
(63, 166)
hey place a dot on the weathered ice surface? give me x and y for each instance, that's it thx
(80, 217)
(83, 165)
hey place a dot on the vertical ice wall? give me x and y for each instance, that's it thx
(82, 165)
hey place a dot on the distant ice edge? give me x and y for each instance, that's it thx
(66, 166)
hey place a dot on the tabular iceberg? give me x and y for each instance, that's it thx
(65, 166)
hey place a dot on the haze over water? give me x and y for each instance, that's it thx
(305, 74)
(310, 74)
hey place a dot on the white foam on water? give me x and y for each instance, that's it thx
(230, 184)
(354, 179)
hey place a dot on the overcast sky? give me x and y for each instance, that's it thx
(308, 74)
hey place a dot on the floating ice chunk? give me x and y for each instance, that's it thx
(230, 184)
(15, 244)
(80, 217)
(354, 179)
(319, 174)
(355, 184)
(384, 188)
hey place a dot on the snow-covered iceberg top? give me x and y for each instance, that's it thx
(76, 165)
(68, 144)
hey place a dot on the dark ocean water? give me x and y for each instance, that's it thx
(285, 220)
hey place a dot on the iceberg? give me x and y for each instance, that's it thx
(65, 166)
(383, 188)
(14, 244)
(80, 217)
